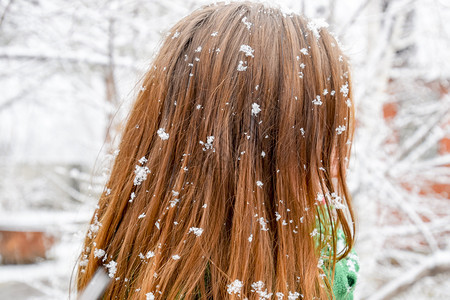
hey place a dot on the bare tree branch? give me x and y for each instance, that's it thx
(439, 262)
(5, 11)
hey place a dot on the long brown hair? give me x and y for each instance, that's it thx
(230, 180)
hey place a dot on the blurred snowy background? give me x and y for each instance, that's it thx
(67, 77)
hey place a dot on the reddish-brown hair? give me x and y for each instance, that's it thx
(244, 117)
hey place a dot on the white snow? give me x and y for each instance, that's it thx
(247, 50)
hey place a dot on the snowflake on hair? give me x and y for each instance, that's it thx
(340, 129)
(208, 144)
(315, 26)
(257, 287)
(344, 89)
(140, 174)
(247, 50)
(241, 66)
(162, 134)
(317, 100)
(196, 231)
(255, 109)
(246, 23)
(235, 287)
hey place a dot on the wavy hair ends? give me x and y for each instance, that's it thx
(230, 180)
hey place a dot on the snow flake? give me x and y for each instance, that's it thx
(300, 74)
(247, 50)
(294, 295)
(141, 216)
(255, 109)
(162, 134)
(315, 26)
(325, 92)
(149, 296)
(235, 287)
(344, 89)
(199, 48)
(250, 238)
(132, 196)
(215, 33)
(263, 222)
(335, 200)
(302, 65)
(340, 129)
(279, 295)
(348, 102)
(320, 263)
(317, 100)
(141, 174)
(157, 224)
(84, 262)
(174, 202)
(277, 215)
(320, 199)
(112, 268)
(176, 257)
(259, 183)
(304, 51)
(99, 253)
(95, 226)
(302, 131)
(208, 144)
(263, 154)
(197, 231)
(142, 160)
(332, 92)
(246, 23)
(241, 66)
(257, 287)
(314, 232)
(175, 35)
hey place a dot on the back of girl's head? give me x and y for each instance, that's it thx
(223, 184)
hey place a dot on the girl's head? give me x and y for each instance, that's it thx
(223, 184)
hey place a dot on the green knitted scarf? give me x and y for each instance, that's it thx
(346, 273)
